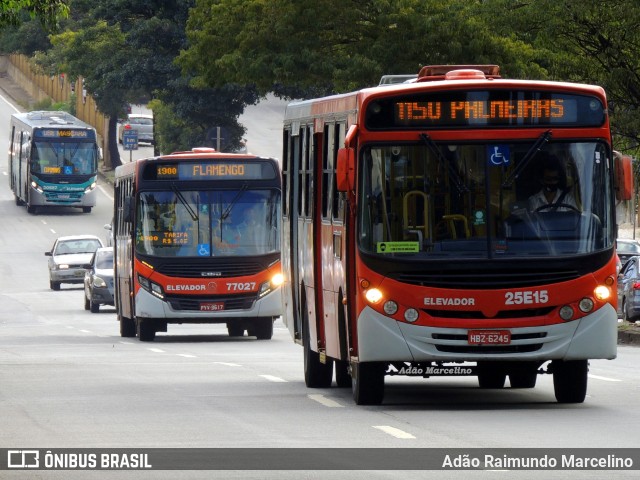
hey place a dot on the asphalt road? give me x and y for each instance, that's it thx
(68, 380)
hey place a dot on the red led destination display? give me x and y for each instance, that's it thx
(485, 108)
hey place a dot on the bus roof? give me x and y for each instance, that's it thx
(48, 119)
(432, 78)
(196, 153)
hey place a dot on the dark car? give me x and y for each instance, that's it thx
(98, 280)
(627, 248)
(629, 290)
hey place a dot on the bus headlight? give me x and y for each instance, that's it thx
(271, 285)
(37, 187)
(151, 287)
(277, 280)
(602, 292)
(373, 295)
(90, 187)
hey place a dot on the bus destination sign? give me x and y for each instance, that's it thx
(209, 171)
(484, 109)
(63, 133)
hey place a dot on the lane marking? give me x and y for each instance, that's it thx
(186, 355)
(100, 187)
(85, 331)
(226, 364)
(272, 378)
(606, 379)
(157, 350)
(327, 402)
(10, 104)
(394, 432)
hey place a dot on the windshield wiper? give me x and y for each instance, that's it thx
(192, 213)
(538, 146)
(457, 181)
(226, 213)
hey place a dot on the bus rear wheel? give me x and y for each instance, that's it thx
(570, 380)
(316, 373)
(343, 377)
(367, 383)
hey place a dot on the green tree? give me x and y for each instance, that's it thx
(336, 45)
(586, 41)
(49, 12)
(128, 57)
(96, 53)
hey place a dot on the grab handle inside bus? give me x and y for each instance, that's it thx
(345, 174)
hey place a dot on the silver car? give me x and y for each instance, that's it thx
(629, 290)
(98, 280)
(68, 258)
(140, 122)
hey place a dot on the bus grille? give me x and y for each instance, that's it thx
(476, 314)
(484, 280)
(489, 350)
(203, 270)
(192, 303)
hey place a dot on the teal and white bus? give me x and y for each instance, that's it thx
(53, 160)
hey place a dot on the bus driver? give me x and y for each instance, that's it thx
(554, 194)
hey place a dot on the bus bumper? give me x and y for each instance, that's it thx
(381, 339)
(151, 307)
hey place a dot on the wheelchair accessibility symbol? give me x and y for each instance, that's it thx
(498, 154)
(204, 250)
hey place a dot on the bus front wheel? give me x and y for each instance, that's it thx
(235, 330)
(262, 329)
(491, 375)
(367, 383)
(127, 327)
(145, 330)
(570, 380)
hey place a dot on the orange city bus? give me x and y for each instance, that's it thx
(197, 241)
(416, 242)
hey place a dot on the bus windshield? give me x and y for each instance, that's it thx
(486, 200)
(65, 158)
(225, 223)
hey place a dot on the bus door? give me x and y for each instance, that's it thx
(290, 252)
(333, 238)
(308, 237)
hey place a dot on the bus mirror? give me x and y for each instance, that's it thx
(345, 169)
(623, 171)
(127, 209)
